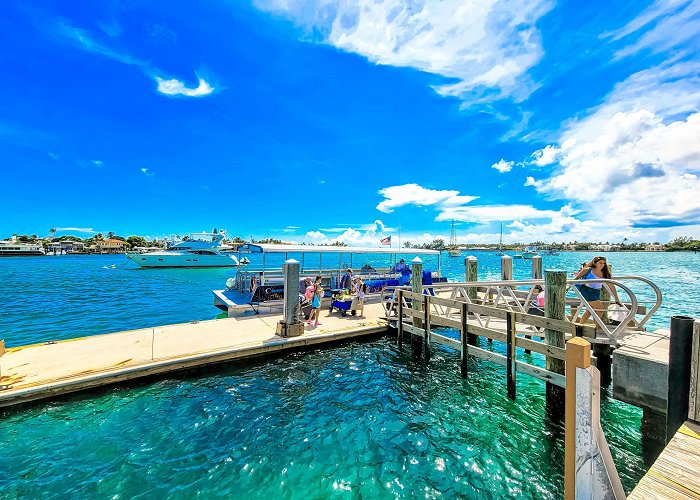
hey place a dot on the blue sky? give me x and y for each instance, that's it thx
(317, 120)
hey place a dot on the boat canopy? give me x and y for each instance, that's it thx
(277, 248)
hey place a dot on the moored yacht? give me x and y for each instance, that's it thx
(198, 250)
(13, 247)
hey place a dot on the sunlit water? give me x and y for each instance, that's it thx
(360, 419)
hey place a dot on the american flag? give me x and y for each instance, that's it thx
(386, 240)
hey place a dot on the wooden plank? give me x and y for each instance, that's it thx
(400, 322)
(541, 373)
(675, 472)
(541, 348)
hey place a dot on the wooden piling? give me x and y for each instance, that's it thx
(578, 355)
(537, 267)
(472, 274)
(417, 288)
(506, 267)
(554, 308)
(2, 347)
(399, 325)
(694, 399)
(463, 337)
(679, 373)
(426, 326)
(510, 353)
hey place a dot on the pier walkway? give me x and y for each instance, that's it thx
(41, 371)
(675, 472)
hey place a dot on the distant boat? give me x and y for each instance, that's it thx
(452, 248)
(500, 243)
(529, 253)
(15, 248)
(199, 250)
(550, 252)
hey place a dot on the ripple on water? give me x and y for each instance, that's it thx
(361, 418)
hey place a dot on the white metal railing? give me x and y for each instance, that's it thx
(521, 296)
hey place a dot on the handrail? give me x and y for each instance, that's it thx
(503, 293)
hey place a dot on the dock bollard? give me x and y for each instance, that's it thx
(506, 268)
(290, 326)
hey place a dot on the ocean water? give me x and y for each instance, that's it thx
(359, 420)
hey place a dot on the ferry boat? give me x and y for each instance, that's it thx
(198, 250)
(13, 247)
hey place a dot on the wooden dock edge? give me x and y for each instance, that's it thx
(12, 397)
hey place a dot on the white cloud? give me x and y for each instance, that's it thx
(487, 47)
(97, 163)
(365, 234)
(633, 161)
(85, 40)
(76, 229)
(499, 213)
(546, 156)
(147, 172)
(413, 194)
(503, 166)
(175, 87)
(671, 25)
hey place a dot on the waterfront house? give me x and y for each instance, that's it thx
(66, 246)
(654, 248)
(110, 245)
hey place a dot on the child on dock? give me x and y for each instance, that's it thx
(316, 304)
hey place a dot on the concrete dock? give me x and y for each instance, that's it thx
(41, 371)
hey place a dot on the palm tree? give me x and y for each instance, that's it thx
(52, 232)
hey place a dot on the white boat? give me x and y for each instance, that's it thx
(528, 253)
(452, 248)
(198, 250)
(13, 247)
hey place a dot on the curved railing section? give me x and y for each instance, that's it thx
(522, 296)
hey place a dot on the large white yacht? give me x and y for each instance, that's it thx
(198, 250)
(9, 248)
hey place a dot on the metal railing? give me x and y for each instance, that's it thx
(521, 296)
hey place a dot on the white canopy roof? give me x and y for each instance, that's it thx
(276, 248)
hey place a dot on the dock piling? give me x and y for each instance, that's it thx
(399, 326)
(510, 353)
(679, 369)
(426, 326)
(554, 308)
(471, 273)
(506, 267)
(694, 400)
(537, 267)
(417, 288)
(290, 326)
(464, 333)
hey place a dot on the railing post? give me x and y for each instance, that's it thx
(417, 289)
(426, 325)
(578, 355)
(554, 308)
(694, 399)
(506, 268)
(472, 274)
(537, 267)
(679, 357)
(463, 337)
(399, 325)
(510, 353)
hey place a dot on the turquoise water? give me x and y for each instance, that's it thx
(358, 420)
